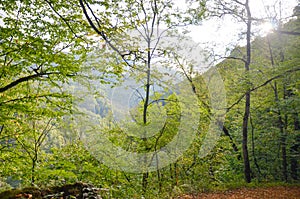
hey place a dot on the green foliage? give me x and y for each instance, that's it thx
(50, 62)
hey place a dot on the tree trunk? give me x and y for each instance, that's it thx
(296, 122)
(33, 171)
(176, 173)
(281, 124)
(247, 169)
(294, 150)
(284, 138)
(253, 146)
(145, 182)
(284, 158)
(145, 109)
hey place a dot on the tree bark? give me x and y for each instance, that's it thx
(253, 146)
(294, 150)
(33, 171)
(247, 169)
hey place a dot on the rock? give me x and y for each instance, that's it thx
(77, 190)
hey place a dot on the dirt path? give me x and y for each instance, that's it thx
(251, 193)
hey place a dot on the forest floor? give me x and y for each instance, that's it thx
(82, 190)
(280, 192)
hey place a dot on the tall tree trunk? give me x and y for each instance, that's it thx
(282, 123)
(284, 157)
(247, 169)
(283, 141)
(145, 108)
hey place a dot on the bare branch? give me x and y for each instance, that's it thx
(262, 85)
(288, 32)
(44, 133)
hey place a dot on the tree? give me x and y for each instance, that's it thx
(44, 51)
(267, 72)
(279, 48)
(241, 11)
(146, 18)
(38, 50)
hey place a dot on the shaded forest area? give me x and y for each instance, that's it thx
(232, 120)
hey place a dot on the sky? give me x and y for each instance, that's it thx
(221, 33)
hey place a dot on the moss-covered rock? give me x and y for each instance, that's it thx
(70, 191)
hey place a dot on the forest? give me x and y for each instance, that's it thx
(115, 99)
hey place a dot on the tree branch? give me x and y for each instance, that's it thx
(32, 97)
(236, 58)
(66, 22)
(263, 84)
(24, 79)
(100, 32)
(288, 32)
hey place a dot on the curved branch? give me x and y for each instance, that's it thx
(24, 79)
(263, 84)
